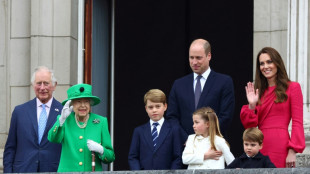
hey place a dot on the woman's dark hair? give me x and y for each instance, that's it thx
(281, 80)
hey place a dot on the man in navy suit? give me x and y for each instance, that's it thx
(155, 145)
(24, 150)
(216, 90)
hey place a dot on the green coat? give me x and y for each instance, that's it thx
(75, 155)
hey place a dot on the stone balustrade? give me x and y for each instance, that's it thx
(302, 167)
(213, 171)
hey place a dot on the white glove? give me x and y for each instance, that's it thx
(95, 147)
(66, 111)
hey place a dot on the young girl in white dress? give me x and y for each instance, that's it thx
(206, 149)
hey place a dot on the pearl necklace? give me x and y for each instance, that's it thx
(84, 124)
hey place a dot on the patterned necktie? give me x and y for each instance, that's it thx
(42, 122)
(197, 90)
(155, 134)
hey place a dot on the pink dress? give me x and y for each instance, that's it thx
(273, 120)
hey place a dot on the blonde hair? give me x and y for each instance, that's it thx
(156, 96)
(253, 134)
(208, 115)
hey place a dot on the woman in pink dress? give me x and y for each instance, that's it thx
(274, 101)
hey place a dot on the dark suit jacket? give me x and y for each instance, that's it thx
(218, 93)
(22, 152)
(259, 161)
(167, 154)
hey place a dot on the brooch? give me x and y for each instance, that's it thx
(96, 121)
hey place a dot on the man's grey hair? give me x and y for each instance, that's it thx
(40, 68)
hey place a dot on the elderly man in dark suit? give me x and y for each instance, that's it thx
(27, 148)
(214, 89)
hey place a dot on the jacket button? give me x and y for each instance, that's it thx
(80, 163)
(81, 137)
(81, 150)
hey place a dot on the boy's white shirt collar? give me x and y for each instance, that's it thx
(160, 122)
(250, 156)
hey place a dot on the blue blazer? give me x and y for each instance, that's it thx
(218, 93)
(258, 161)
(166, 155)
(22, 152)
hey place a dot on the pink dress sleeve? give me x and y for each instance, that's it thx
(248, 117)
(297, 141)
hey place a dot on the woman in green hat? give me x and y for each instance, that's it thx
(81, 132)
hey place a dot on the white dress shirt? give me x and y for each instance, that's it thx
(160, 123)
(47, 107)
(203, 79)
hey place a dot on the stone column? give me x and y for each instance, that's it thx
(298, 63)
(299, 56)
(270, 27)
(54, 25)
(14, 60)
(3, 75)
(32, 33)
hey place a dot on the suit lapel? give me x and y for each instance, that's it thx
(190, 91)
(207, 87)
(147, 135)
(54, 111)
(31, 112)
(165, 129)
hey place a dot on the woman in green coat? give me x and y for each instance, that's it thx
(81, 132)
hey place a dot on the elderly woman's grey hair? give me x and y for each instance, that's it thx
(44, 68)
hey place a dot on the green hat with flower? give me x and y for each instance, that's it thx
(81, 91)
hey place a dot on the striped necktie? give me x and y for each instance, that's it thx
(42, 123)
(155, 134)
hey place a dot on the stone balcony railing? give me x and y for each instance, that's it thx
(218, 171)
(302, 167)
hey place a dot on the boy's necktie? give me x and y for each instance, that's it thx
(155, 133)
(197, 90)
(42, 123)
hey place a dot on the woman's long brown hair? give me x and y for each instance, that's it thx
(281, 80)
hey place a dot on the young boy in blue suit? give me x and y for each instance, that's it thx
(155, 145)
(252, 158)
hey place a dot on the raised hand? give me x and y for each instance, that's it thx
(66, 111)
(252, 95)
(94, 147)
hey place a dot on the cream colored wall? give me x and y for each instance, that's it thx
(277, 23)
(32, 33)
(270, 26)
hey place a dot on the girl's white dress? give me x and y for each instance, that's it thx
(196, 147)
